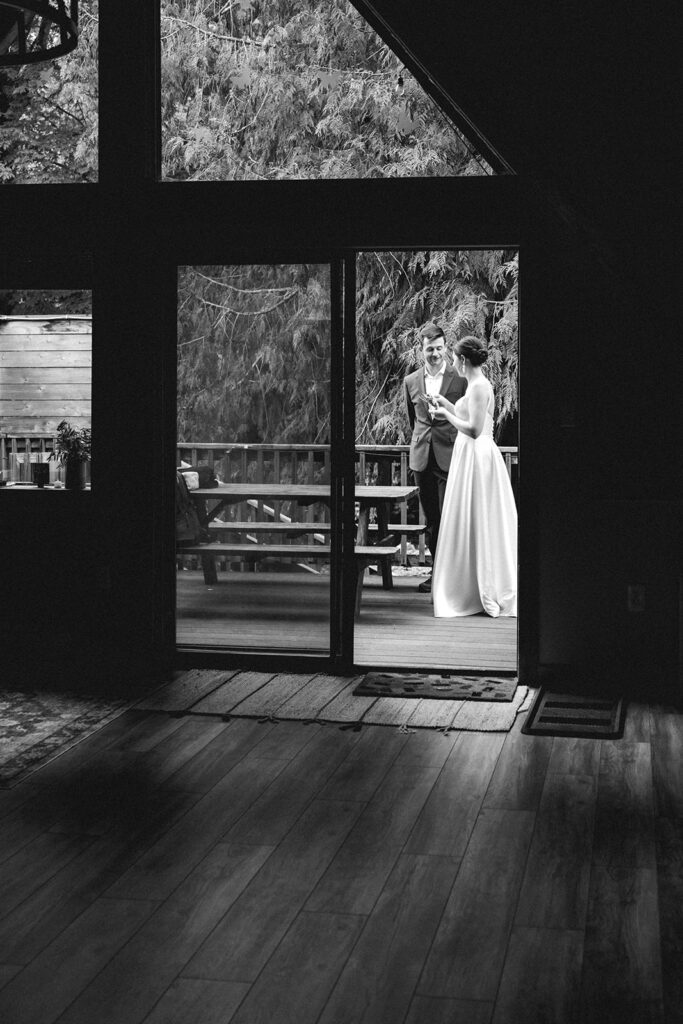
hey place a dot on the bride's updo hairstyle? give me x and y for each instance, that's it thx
(472, 349)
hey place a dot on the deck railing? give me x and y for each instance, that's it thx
(305, 463)
(259, 463)
(310, 463)
(19, 453)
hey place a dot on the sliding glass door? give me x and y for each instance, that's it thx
(300, 525)
(253, 488)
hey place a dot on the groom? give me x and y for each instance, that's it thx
(432, 442)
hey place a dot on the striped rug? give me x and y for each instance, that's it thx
(323, 699)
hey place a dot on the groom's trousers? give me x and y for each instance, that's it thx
(431, 482)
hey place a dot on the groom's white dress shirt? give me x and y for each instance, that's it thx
(433, 381)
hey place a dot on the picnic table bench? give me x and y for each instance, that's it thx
(364, 555)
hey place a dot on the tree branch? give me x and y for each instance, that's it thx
(214, 35)
(257, 312)
(243, 291)
(63, 110)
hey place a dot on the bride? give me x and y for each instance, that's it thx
(475, 566)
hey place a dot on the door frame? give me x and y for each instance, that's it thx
(340, 660)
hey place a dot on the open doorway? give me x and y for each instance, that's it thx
(465, 293)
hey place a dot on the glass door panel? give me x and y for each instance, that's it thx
(253, 430)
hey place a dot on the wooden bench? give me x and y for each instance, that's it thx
(364, 556)
(407, 529)
(297, 529)
(288, 529)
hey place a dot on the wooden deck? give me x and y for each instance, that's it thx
(289, 612)
(171, 870)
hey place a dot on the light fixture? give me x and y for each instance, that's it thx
(36, 30)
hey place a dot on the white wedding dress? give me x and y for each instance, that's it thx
(475, 566)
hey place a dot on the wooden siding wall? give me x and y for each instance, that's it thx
(45, 373)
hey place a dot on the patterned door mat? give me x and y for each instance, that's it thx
(578, 715)
(439, 686)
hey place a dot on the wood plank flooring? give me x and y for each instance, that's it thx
(177, 869)
(290, 612)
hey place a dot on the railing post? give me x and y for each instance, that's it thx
(243, 479)
(277, 505)
(403, 473)
(260, 515)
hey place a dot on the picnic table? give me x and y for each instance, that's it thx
(211, 501)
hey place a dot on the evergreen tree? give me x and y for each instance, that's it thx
(466, 292)
(254, 342)
(48, 133)
(294, 89)
(254, 354)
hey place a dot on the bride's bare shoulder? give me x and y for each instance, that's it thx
(480, 388)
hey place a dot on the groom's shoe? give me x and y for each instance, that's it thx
(426, 586)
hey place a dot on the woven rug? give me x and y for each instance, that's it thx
(37, 726)
(324, 699)
(436, 686)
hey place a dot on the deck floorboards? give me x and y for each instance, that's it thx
(291, 612)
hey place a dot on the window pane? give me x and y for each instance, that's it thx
(48, 109)
(253, 439)
(45, 384)
(302, 89)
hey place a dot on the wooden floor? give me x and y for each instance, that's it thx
(185, 869)
(290, 612)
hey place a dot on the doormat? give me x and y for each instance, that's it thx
(436, 686)
(576, 715)
(37, 726)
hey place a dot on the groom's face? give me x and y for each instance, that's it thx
(433, 350)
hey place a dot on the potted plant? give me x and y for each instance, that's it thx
(72, 450)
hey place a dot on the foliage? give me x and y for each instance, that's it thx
(294, 89)
(49, 130)
(250, 89)
(466, 292)
(254, 354)
(72, 444)
(39, 302)
(254, 342)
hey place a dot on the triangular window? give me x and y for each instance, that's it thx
(295, 89)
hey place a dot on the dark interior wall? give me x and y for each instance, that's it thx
(560, 95)
(581, 103)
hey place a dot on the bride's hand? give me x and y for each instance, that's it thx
(442, 403)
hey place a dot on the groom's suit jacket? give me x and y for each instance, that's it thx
(439, 433)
